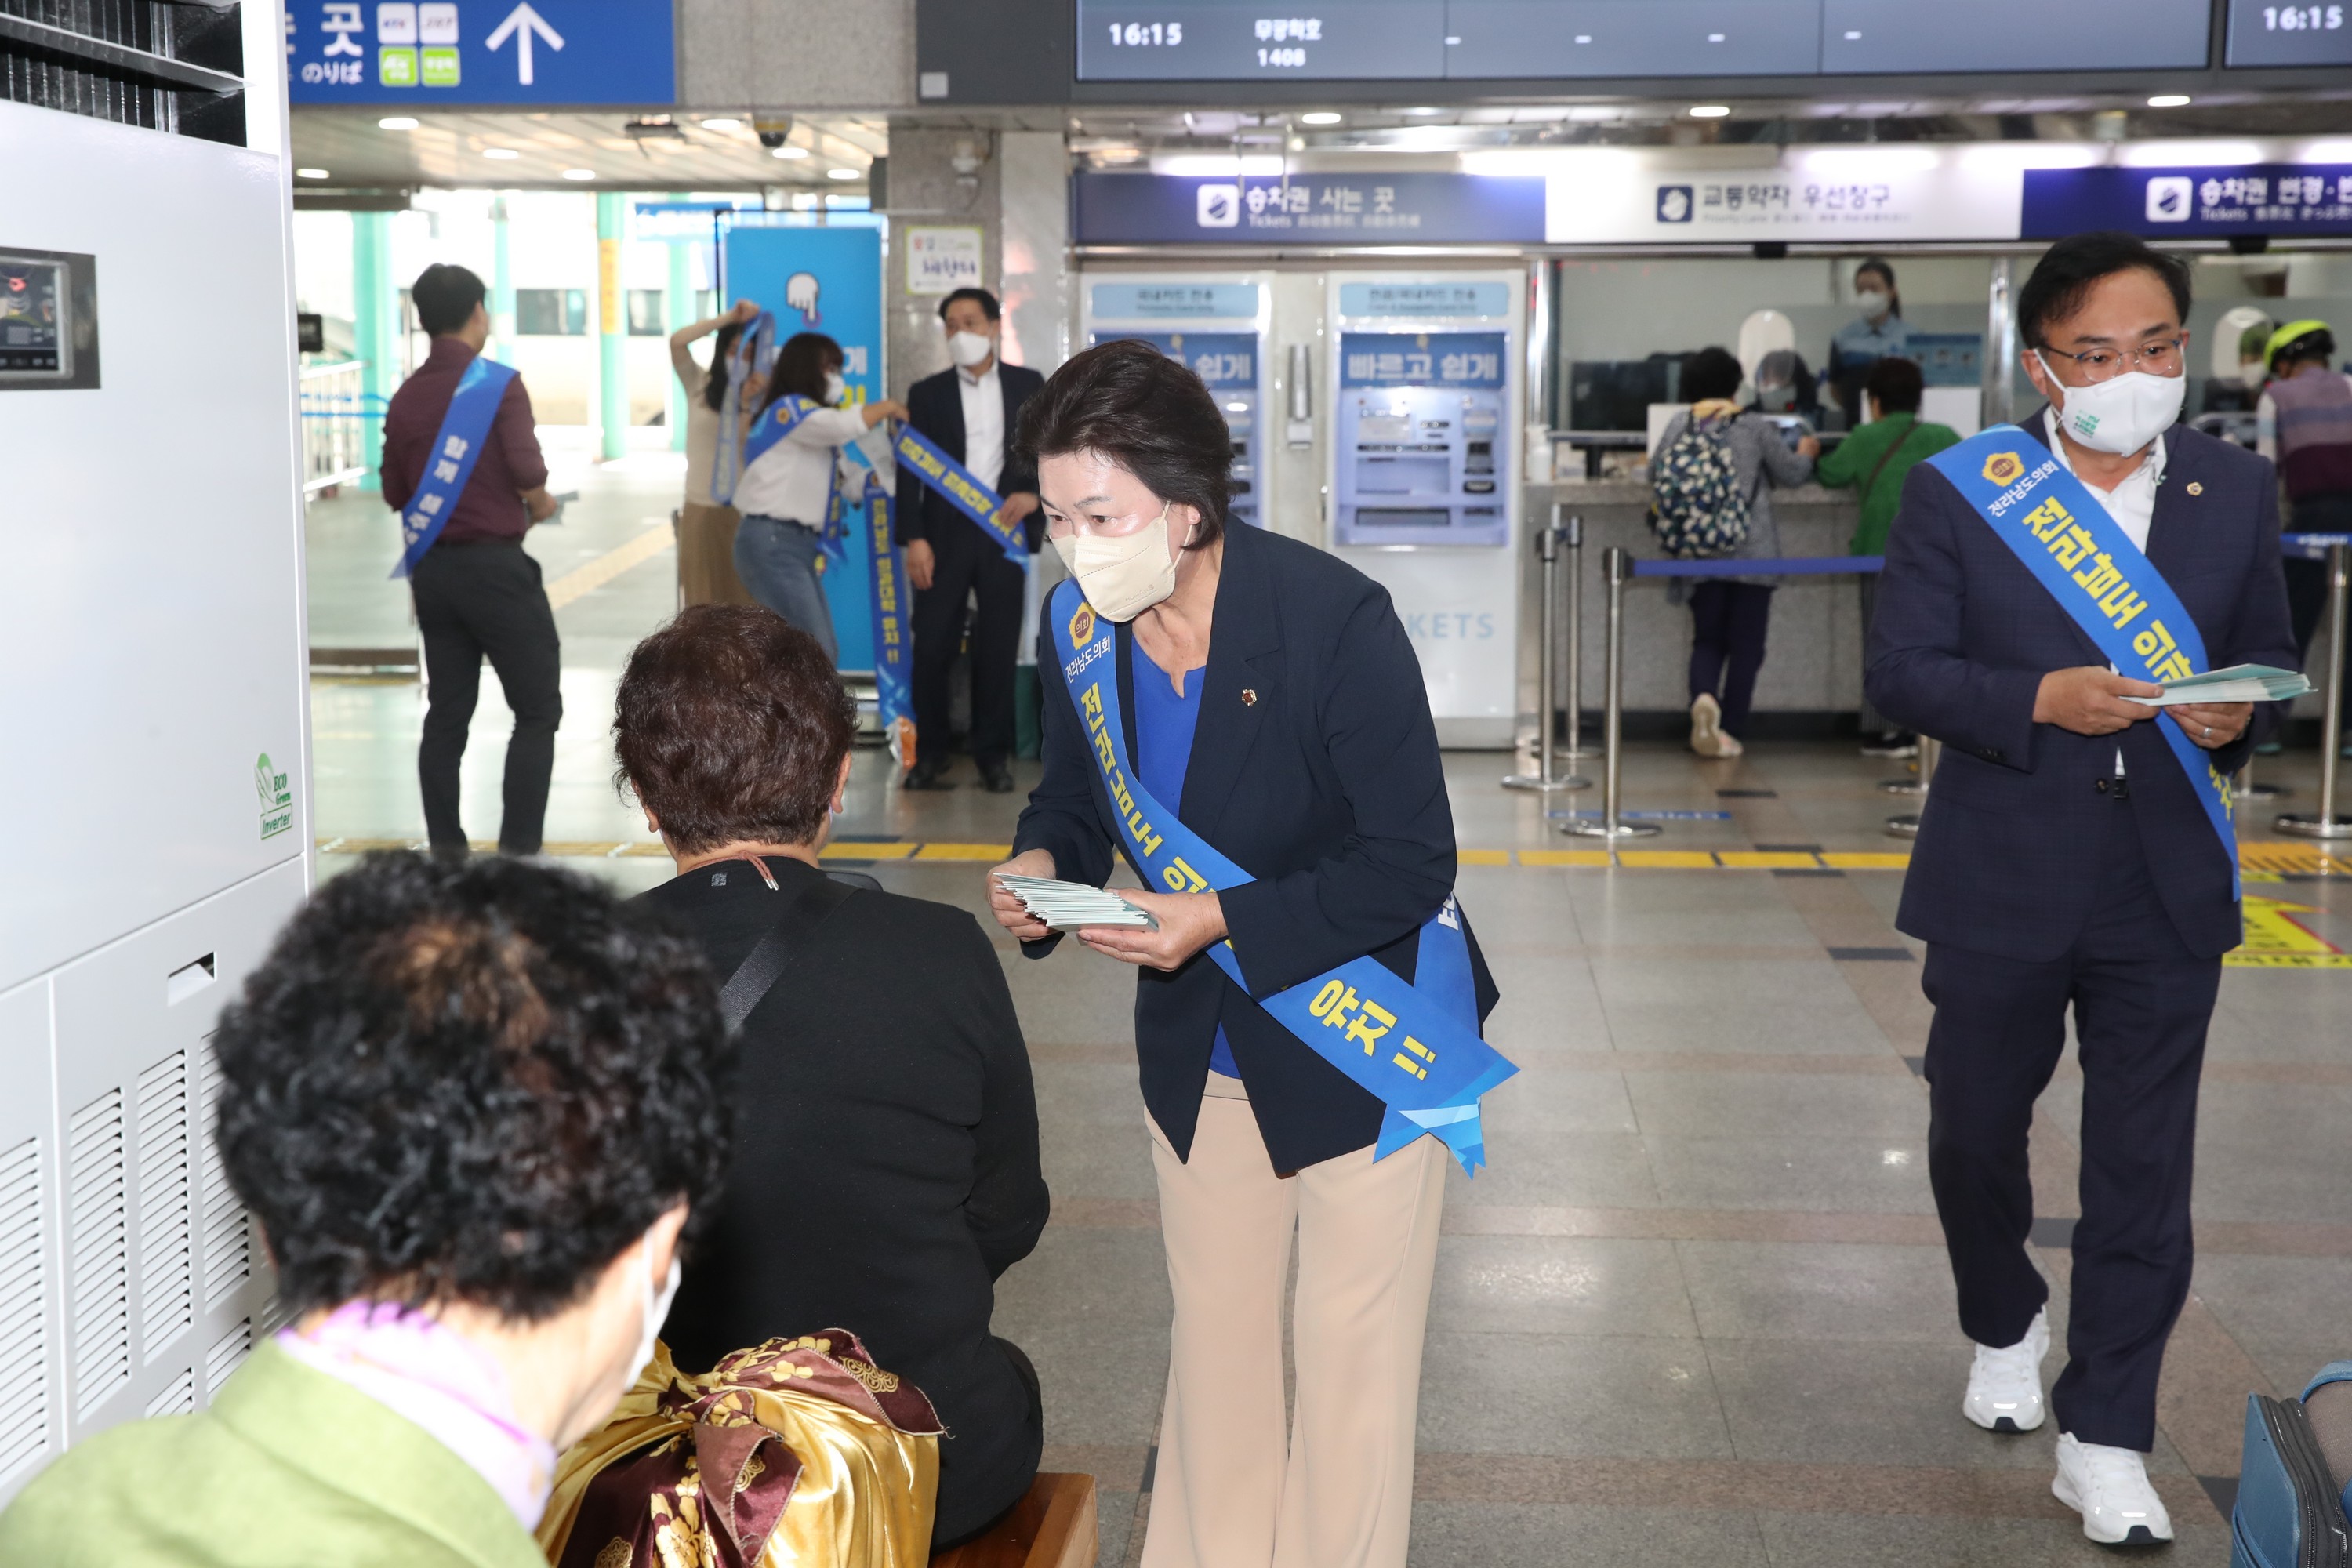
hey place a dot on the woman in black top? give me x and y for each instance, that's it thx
(886, 1168)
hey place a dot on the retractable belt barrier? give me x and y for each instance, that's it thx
(1620, 567)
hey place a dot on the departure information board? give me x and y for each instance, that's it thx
(1428, 40)
(2265, 34)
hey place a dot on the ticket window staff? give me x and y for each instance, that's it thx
(706, 530)
(1875, 460)
(2068, 860)
(477, 593)
(1877, 332)
(786, 490)
(1279, 709)
(970, 411)
(2304, 423)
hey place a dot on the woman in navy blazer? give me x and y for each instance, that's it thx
(1313, 764)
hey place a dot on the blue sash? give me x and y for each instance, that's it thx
(886, 604)
(1414, 1046)
(2099, 577)
(921, 456)
(776, 422)
(754, 348)
(456, 446)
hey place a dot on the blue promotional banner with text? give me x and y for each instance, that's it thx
(446, 54)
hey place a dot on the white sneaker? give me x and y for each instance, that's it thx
(1727, 744)
(2005, 1385)
(1707, 718)
(2109, 1486)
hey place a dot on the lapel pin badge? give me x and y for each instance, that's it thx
(2196, 488)
(1249, 696)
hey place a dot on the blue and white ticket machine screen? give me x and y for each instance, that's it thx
(1424, 439)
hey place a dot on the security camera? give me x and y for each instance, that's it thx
(773, 129)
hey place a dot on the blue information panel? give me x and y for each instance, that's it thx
(824, 281)
(1424, 445)
(1226, 363)
(2277, 199)
(449, 54)
(1417, 208)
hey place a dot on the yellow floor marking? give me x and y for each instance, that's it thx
(1865, 859)
(2292, 858)
(1768, 860)
(2276, 940)
(1667, 859)
(991, 853)
(1482, 857)
(1563, 856)
(867, 851)
(586, 578)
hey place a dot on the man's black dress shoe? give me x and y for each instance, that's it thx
(932, 774)
(996, 777)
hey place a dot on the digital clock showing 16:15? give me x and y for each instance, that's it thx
(2266, 34)
(1145, 34)
(2303, 19)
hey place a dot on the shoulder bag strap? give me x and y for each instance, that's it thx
(1886, 457)
(765, 964)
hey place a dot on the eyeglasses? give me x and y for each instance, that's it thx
(2161, 356)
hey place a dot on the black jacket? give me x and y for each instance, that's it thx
(935, 407)
(1315, 768)
(884, 1171)
(1961, 640)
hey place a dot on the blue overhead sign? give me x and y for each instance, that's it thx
(449, 54)
(1419, 208)
(2273, 199)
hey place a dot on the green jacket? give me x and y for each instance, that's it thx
(288, 1468)
(1849, 462)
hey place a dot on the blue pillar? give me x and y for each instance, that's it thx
(375, 312)
(613, 325)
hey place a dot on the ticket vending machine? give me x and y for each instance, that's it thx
(1427, 376)
(1215, 322)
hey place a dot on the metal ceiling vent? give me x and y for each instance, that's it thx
(170, 66)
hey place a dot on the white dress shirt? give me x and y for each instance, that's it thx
(792, 480)
(2132, 503)
(983, 423)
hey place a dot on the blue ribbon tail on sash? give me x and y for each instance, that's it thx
(921, 456)
(2062, 535)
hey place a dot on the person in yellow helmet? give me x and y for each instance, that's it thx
(2304, 424)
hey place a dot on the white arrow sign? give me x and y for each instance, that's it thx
(521, 22)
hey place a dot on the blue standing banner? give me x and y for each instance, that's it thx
(2103, 581)
(1414, 1045)
(894, 695)
(473, 408)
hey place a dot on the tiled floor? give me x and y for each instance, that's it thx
(1697, 1308)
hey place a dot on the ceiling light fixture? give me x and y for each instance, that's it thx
(790, 152)
(722, 125)
(312, 174)
(500, 153)
(579, 174)
(843, 174)
(2169, 100)
(1321, 116)
(397, 122)
(1420, 111)
(1710, 112)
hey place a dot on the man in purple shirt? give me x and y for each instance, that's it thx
(476, 591)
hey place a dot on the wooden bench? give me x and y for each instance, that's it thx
(1053, 1526)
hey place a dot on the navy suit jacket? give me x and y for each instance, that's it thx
(1314, 767)
(935, 407)
(2006, 861)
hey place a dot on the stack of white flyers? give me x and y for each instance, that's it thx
(2238, 683)
(1066, 906)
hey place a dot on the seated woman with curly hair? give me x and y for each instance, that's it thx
(472, 1108)
(886, 1169)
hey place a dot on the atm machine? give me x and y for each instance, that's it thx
(1215, 322)
(1426, 373)
(156, 703)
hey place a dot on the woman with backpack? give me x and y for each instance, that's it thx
(1711, 482)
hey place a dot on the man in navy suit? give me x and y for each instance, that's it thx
(970, 411)
(2065, 859)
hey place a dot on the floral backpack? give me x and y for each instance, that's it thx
(1698, 507)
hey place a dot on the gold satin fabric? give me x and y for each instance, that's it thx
(793, 1454)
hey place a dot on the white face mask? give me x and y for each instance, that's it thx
(2119, 416)
(969, 349)
(836, 389)
(657, 1308)
(1125, 576)
(1873, 302)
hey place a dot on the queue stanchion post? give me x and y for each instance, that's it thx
(1618, 566)
(1574, 545)
(1906, 825)
(2325, 823)
(1546, 779)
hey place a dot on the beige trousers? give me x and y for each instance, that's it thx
(705, 556)
(1238, 1486)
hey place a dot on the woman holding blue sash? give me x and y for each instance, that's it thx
(791, 461)
(1255, 701)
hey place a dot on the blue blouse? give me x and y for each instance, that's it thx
(1165, 720)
